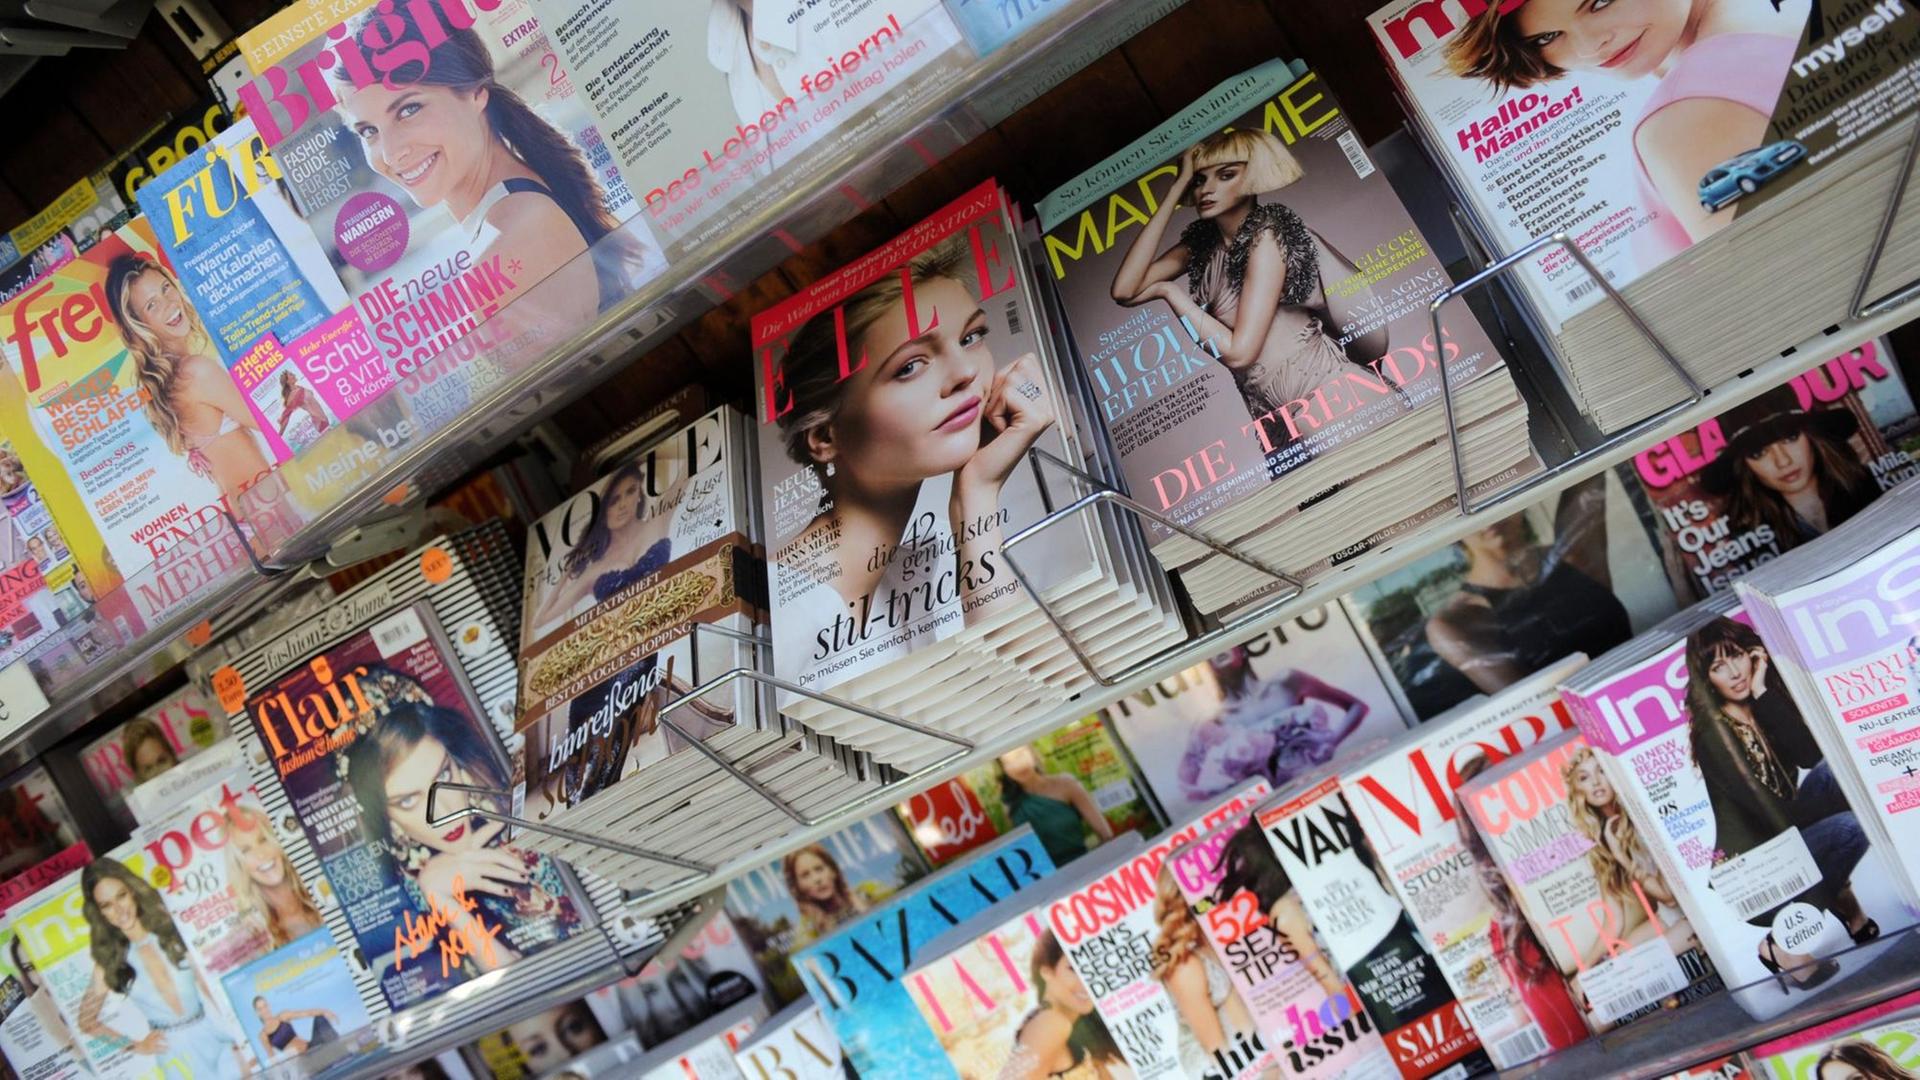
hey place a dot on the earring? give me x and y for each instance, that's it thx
(829, 468)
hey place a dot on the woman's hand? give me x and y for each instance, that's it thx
(1184, 178)
(1018, 408)
(494, 871)
(1757, 683)
(152, 1043)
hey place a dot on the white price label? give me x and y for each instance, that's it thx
(1767, 876)
(399, 633)
(20, 698)
(1640, 976)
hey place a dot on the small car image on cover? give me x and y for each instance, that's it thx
(1743, 174)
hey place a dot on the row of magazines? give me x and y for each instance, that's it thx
(418, 671)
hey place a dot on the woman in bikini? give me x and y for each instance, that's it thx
(296, 399)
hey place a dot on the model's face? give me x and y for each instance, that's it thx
(1628, 39)
(116, 905)
(623, 503)
(407, 786)
(260, 854)
(1066, 991)
(37, 548)
(815, 877)
(1840, 1070)
(424, 138)
(1498, 541)
(1591, 784)
(1785, 465)
(151, 757)
(1220, 187)
(260, 1009)
(156, 302)
(537, 1039)
(1020, 765)
(577, 1029)
(1732, 675)
(914, 411)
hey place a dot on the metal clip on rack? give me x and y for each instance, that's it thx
(1861, 307)
(1099, 492)
(700, 870)
(1695, 392)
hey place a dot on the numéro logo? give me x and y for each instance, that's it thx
(1881, 612)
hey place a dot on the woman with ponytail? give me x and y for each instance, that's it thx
(450, 133)
(191, 401)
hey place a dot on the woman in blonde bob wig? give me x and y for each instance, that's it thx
(1254, 272)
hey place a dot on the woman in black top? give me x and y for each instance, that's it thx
(1765, 774)
(1787, 472)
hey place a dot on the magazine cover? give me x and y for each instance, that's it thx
(1876, 1042)
(953, 818)
(855, 974)
(133, 434)
(540, 1044)
(296, 998)
(24, 884)
(1367, 932)
(1278, 706)
(357, 734)
(796, 1044)
(1149, 973)
(136, 1001)
(732, 91)
(35, 824)
(41, 588)
(1638, 135)
(1241, 901)
(181, 725)
(445, 166)
(156, 799)
(813, 891)
(1403, 801)
(1150, 253)
(1712, 761)
(261, 290)
(227, 879)
(1576, 575)
(712, 972)
(33, 1035)
(166, 145)
(929, 326)
(1567, 911)
(1768, 475)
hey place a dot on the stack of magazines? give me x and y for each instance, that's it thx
(1249, 299)
(1645, 148)
(903, 403)
(640, 590)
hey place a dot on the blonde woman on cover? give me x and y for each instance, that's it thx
(1194, 978)
(191, 401)
(263, 879)
(1255, 273)
(1621, 864)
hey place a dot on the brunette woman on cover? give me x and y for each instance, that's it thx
(1858, 1059)
(1274, 728)
(454, 135)
(1786, 469)
(1765, 774)
(1063, 1035)
(1522, 606)
(191, 401)
(1255, 273)
(39, 999)
(1060, 808)
(1201, 989)
(929, 429)
(264, 882)
(146, 749)
(1248, 862)
(819, 889)
(620, 548)
(295, 398)
(138, 952)
(280, 1037)
(1719, 66)
(518, 896)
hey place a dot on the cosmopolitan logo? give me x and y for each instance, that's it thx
(280, 101)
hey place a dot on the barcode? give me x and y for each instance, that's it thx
(1519, 1049)
(1356, 155)
(1013, 317)
(1755, 903)
(1581, 290)
(1615, 1008)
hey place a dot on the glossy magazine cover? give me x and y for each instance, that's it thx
(1878, 1040)
(672, 994)
(1249, 913)
(357, 734)
(796, 1044)
(1276, 706)
(297, 998)
(174, 730)
(41, 588)
(1770, 474)
(1712, 760)
(33, 1035)
(813, 891)
(37, 825)
(540, 1044)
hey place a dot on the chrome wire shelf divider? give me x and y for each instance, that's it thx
(1098, 493)
(1861, 307)
(1462, 490)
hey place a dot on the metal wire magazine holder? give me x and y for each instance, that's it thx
(698, 871)
(1861, 307)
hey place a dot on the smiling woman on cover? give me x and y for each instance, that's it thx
(456, 136)
(191, 401)
(1063, 1034)
(1255, 273)
(911, 451)
(1720, 66)
(264, 883)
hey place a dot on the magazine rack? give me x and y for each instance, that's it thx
(1695, 392)
(1861, 307)
(1098, 493)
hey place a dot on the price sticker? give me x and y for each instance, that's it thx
(20, 697)
(401, 493)
(201, 634)
(436, 565)
(229, 688)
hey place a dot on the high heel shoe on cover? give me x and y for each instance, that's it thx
(1815, 975)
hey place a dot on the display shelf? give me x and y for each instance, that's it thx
(1365, 568)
